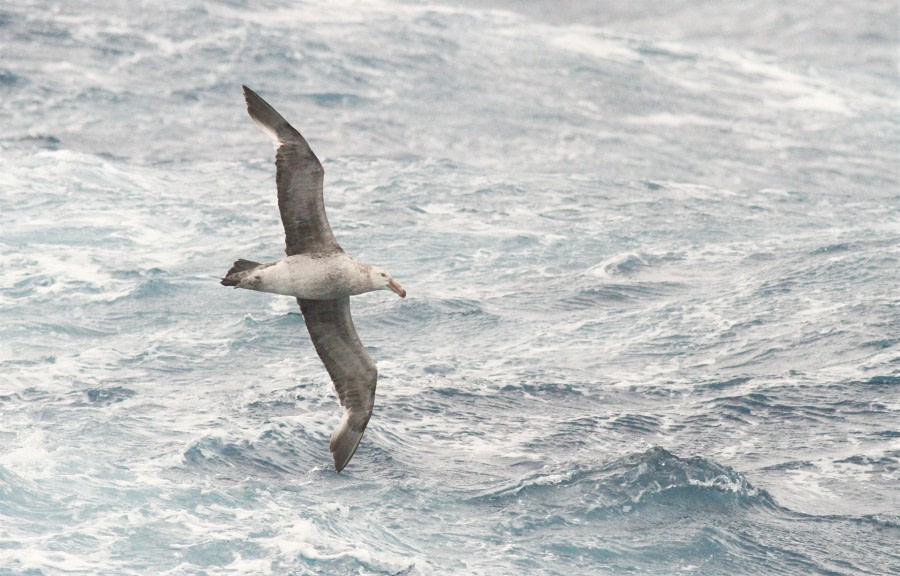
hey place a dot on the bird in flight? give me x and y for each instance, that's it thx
(319, 274)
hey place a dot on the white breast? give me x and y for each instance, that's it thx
(314, 277)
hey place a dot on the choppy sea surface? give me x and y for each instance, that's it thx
(652, 256)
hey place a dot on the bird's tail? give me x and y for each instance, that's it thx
(345, 439)
(233, 277)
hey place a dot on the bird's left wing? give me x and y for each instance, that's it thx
(300, 178)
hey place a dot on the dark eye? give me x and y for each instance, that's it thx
(383, 275)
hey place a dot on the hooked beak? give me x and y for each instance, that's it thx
(396, 287)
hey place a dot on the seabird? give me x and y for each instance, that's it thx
(319, 274)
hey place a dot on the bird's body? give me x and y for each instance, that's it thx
(319, 275)
(308, 276)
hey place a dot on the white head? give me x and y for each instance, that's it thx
(381, 280)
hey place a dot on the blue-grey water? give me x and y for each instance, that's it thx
(652, 253)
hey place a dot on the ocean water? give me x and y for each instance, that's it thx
(652, 255)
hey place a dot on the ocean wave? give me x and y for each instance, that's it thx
(616, 295)
(111, 395)
(615, 232)
(639, 478)
(273, 455)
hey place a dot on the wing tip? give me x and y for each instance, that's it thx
(273, 123)
(250, 98)
(344, 441)
(264, 116)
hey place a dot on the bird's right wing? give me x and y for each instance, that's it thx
(352, 370)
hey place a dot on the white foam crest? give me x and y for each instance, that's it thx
(798, 92)
(673, 120)
(68, 273)
(278, 306)
(296, 537)
(602, 269)
(589, 42)
(726, 484)
(37, 557)
(340, 12)
(540, 479)
(344, 12)
(29, 455)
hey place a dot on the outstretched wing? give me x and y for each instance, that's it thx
(299, 177)
(351, 369)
